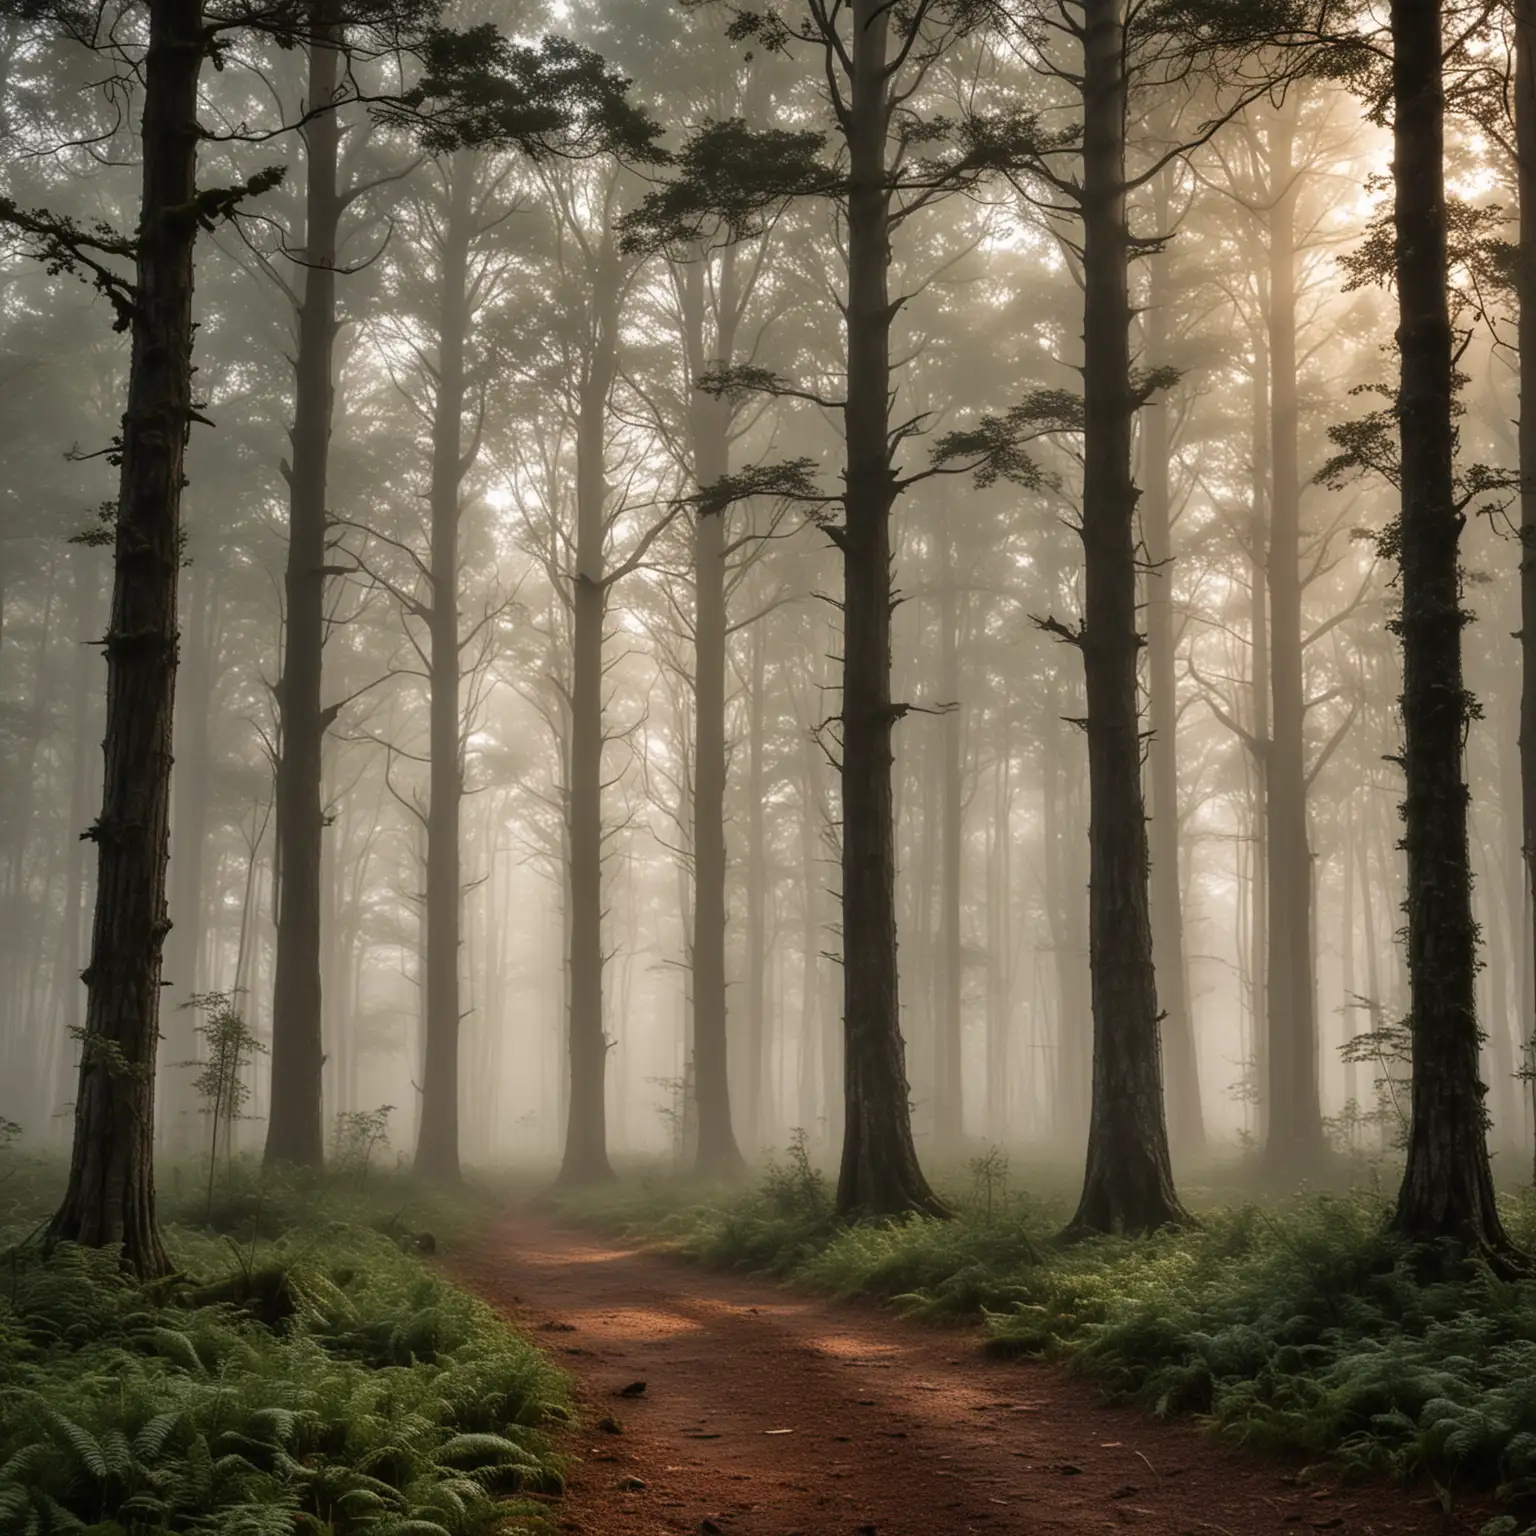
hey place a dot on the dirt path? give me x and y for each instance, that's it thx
(766, 1413)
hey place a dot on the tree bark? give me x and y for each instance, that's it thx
(1447, 1189)
(86, 617)
(1525, 136)
(1128, 1181)
(110, 1199)
(437, 1142)
(1294, 1142)
(948, 1087)
(879, 1174)
(716, 1154)
(586, 1135)
(295, 1129)
(189, 790)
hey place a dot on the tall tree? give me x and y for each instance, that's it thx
(876, 62)
(295, 1129)
(1447, 1189)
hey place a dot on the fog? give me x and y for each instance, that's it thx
(527, 470)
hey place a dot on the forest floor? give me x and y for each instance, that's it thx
(767, 1412)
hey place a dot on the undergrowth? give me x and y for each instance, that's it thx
(1294, 1326)
(305, 1371)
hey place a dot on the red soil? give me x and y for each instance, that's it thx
(767, 1413)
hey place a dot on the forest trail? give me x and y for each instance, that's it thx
(769, 1413)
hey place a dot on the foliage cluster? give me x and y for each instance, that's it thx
(324, 1380)
(1299, 1325)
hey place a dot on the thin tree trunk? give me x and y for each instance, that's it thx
(1447, 1189)
(754, 1099)
(1258, 758)
(1167, 902)
(110, 1198)
(717, 1154)
(1295, 1139)
(437, 1145)
(586, 1140)
(1128, 1182)
(189, 790)
(879, 1173)
(1000, 932)
(948, 1087)
(295, 1131)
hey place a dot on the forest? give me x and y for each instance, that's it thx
(767, 675)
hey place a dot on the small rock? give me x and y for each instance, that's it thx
(426, 1243)
(631, 1484)
(557, 1327)
(610, 1426)
(634, 1389)
(1068, 1470)
(711, 1527)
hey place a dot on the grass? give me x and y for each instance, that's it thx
(1293, 1325)
(305, 1371)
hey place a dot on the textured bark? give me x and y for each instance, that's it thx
(1525, 132)
(295, 1129)
(1447, 1189)
(586, 1133)
(110, 1199)
(1167, 896)
(879, 1173)
(1128, 1181)
(1295, 1122)
(84, 622)
(437, 1141)
(717, 1153)
(1065, 886)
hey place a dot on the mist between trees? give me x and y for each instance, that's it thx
(678, 499)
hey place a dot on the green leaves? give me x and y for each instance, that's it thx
(479, 90)
(997, 447)
(731, 180)
(192, 1415)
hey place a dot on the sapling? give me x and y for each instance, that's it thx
(230, 1045)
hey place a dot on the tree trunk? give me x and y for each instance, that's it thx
(754, 1099)
(1000, 931)
(295, 1130)
(437, 1144)
(879, 1174)
(1295, 1138)
(1065, 885)
(86, 617)
(1128, 1182)
(1258, 757)
(586, 1132)
(948, 1086)
(1525, 132)
(1447, 1189)
(189, 789)
(717, 1154)
(110, 1199)
(1167, 904)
